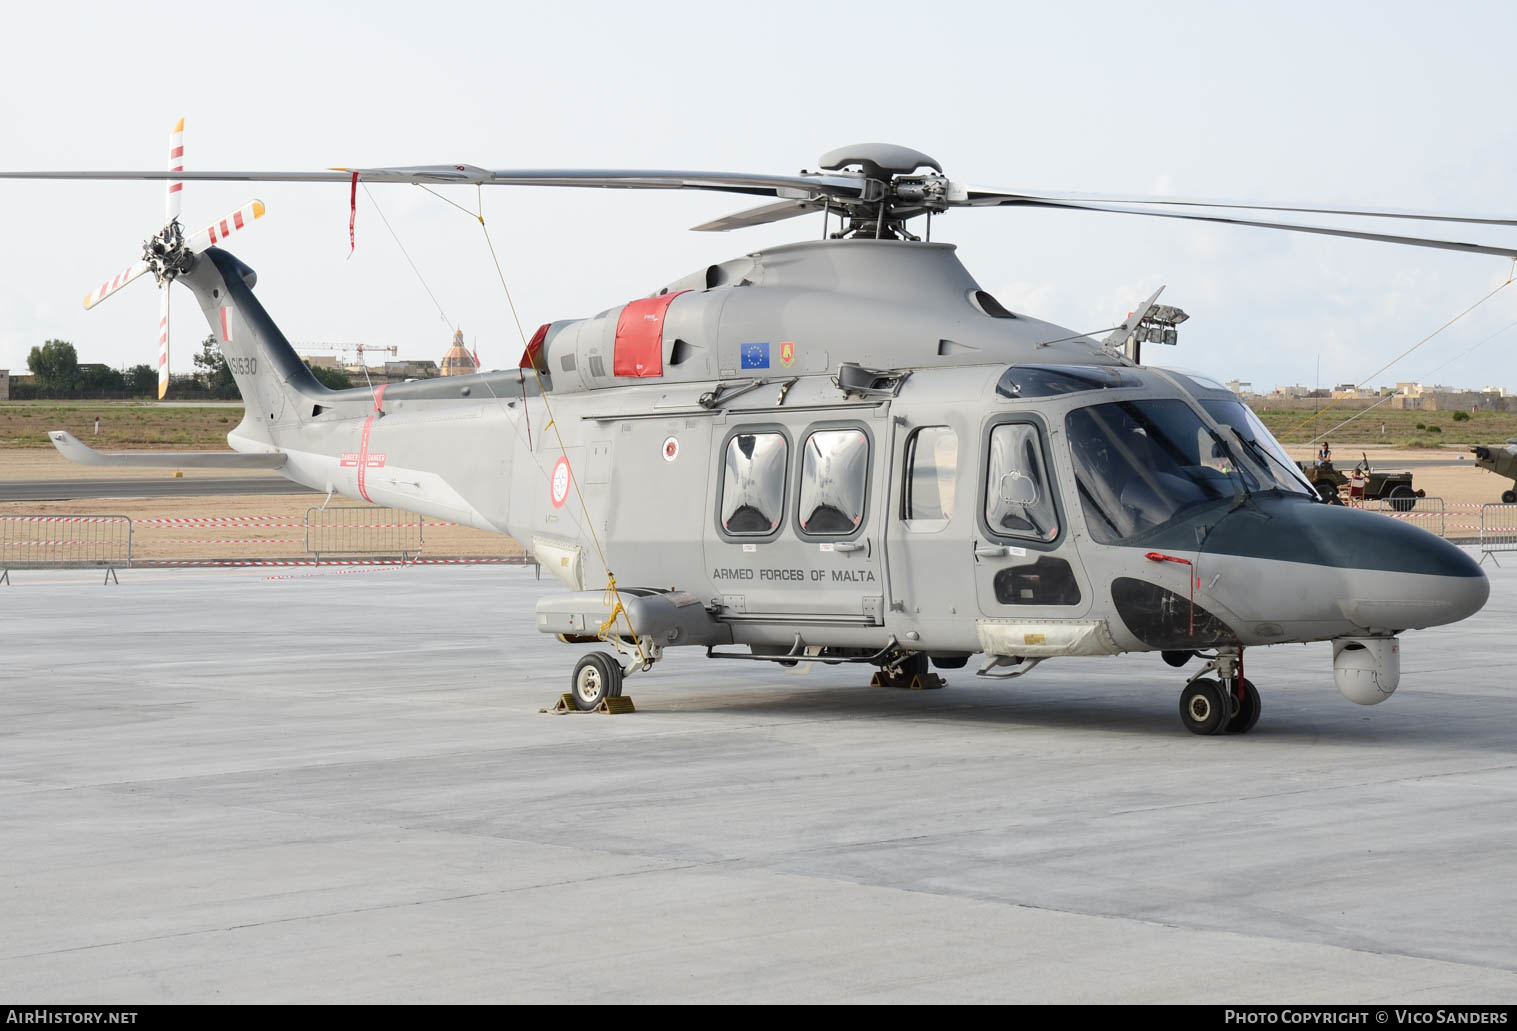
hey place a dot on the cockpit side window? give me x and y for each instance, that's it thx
(753, 484)
(1018, 495)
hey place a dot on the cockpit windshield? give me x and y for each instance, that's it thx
(1140, 464)
(1265, 449)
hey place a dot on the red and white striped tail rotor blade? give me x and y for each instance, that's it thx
(174, 187)
(220, 230)
(110, 286)
(163, 339)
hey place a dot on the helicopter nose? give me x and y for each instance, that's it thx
(1399, 577)
(1337, 570)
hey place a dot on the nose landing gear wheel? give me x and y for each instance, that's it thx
(596, 678)
(1247, 713)
(1204, 708)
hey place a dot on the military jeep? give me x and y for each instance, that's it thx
(1327, 478)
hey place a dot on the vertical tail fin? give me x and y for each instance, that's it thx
(275, 384)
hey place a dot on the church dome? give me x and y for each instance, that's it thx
(459, 361)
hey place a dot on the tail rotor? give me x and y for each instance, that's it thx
(169, 253)
(173, 189)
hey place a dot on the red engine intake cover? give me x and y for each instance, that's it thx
(639, 349)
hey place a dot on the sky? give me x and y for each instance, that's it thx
(1402, 105)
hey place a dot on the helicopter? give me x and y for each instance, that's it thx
(1500, 459)
(845, 451)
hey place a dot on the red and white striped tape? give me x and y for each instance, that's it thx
(372, 526)
(71, 541)
(246, 540)
(63, 519)
(268, 521)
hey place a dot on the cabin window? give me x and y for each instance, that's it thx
(931, 473)
(1018, 499)
(834, 482)
(753, 484)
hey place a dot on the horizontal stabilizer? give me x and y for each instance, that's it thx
(76, 450)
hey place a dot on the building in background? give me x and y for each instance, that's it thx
(399, 372)
(5, 384)
(459, 361)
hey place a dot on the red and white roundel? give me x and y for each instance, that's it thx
(558, 487)
(671, 449)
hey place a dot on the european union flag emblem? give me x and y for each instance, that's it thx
(755, 356)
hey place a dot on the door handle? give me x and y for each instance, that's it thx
(851, 546)
(990, 551)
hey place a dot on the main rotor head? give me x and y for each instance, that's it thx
(903, 194)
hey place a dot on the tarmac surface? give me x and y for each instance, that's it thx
(168, 487)
(335, 786)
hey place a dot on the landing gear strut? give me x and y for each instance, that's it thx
(1226, 705)
(910, 671)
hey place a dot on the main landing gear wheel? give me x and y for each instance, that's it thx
(1204, 707)
(596, 678)
(1508, 497)
(1247, 713)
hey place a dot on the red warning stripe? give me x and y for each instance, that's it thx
(363, 459)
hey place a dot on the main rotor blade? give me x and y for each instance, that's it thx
(337, 176)
(110, 286)
(980, 197)
(851, 187)
(761, 215)
(220, 230)
(1355, 234)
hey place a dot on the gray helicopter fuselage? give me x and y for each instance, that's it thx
(999, 488)
(882, 303)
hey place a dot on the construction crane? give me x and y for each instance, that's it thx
(355, 349)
